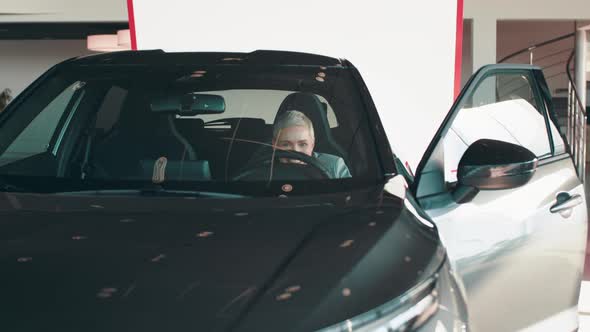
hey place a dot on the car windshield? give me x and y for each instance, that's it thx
(230, 127)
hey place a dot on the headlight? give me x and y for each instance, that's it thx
(403, 314)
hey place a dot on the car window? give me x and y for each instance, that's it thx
(266, 102)
(503, 107)
(168, 124)
(36, 136)
(110, 109)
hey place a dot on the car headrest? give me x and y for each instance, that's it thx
(310, 105)
(190, 127)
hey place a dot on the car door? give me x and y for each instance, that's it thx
(518, 252)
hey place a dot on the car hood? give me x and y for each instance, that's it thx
(92, 263)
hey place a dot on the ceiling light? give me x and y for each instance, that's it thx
(104, 43)
(124, 38)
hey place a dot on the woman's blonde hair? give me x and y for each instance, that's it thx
(289, 119)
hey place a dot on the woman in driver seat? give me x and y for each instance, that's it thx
(293, 131)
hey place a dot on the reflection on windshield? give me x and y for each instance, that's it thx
(220, 125)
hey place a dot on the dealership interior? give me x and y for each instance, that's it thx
(36, 34)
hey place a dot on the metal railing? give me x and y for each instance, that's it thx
(531, 48)
(576, 129)
(576, 112)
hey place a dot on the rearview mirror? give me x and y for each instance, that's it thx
(188, 104)
(492, 165)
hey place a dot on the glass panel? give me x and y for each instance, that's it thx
(502, 107)
(109, 111)
(148, 127)
(36, 136)
(266, 102)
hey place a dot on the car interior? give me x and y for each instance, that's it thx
(111, 128)
(196, 150)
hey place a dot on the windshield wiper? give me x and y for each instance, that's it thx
(153, 191)
(158, 190)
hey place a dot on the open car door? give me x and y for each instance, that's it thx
(499, 183)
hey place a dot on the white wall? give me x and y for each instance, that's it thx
(22, 61)
(529, 9)
(405, 51)
(63, 11)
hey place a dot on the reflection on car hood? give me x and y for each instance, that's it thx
(159, 264)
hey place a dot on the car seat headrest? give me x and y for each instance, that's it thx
(316, 110)
(310, 105)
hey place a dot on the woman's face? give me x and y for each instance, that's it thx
(295, 138)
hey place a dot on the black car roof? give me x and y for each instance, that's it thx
(160, 57)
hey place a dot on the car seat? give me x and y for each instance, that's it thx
(140, 138)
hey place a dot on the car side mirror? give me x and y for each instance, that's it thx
(493, 165)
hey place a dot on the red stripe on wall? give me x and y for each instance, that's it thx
(131, 15)
(458, 47)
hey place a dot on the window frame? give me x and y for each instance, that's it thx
(67, 124)
(431, 157)
(529, 74)
(61, 124)
(548, 105)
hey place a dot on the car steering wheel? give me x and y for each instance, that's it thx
(259, 168)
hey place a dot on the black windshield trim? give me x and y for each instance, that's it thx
(50, 185)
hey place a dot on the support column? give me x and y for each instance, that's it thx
(484, 41)
(581, 62)
(581, 70)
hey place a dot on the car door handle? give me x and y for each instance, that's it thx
(565, 201)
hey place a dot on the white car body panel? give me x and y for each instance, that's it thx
(520, 265)
(515, 245)
(566, 320)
